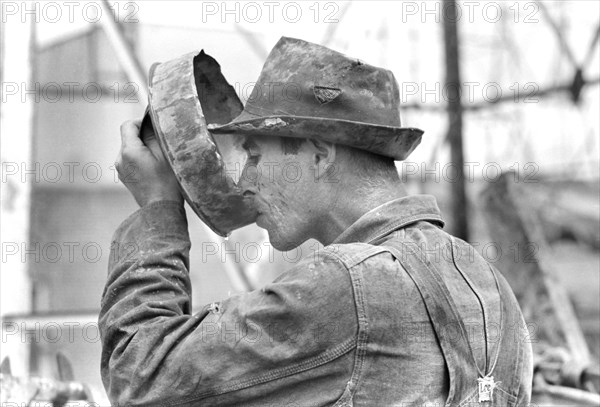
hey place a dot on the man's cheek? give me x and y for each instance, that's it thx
(264, 189)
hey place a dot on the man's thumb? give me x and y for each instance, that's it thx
(148, 136)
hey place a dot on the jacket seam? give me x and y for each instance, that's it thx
(510, 398)
(518, 368)
(355, 259)
(362, 336)
(452, 393)
(311, 363)
(402, 223)
(489, 351)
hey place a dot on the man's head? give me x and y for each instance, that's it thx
(305, 91)
(304, 188)
(324, 130)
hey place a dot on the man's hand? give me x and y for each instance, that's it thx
(143, 169)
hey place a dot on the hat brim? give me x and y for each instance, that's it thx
(393, 142)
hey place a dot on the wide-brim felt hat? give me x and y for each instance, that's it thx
(309, 91)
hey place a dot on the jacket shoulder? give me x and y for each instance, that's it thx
(352, 254)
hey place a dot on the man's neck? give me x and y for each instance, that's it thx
(348, 207)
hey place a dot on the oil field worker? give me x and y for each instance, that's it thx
(392, 312)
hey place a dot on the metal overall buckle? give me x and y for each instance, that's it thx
(486, 388)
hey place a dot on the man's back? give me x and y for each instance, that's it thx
(347, 326)
(437, 316)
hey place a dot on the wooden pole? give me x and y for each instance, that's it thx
(455, 123)
(125, 55)
(512, 213)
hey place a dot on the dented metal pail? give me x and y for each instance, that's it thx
(186, 94)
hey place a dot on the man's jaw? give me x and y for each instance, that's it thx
(260, 220)
(275, 223)
(274, 231)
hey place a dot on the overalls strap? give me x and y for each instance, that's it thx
(465, 376)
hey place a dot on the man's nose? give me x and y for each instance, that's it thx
(248, 193)
(249, 177)
(247, 186)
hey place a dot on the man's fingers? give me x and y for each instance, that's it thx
(130, 134)
(152, 144)
(147, 130)
(148, 137)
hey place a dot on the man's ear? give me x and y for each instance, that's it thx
(323, 157)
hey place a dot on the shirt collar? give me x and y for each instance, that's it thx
(392, 215)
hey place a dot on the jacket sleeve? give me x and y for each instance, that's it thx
(155, 351)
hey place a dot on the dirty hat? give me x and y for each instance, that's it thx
(309, 91)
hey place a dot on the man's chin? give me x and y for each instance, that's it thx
(282, 244)
(277, 236)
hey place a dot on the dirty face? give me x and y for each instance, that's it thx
(278, 182)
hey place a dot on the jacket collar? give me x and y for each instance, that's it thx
(393, 215)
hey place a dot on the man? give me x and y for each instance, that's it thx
(393, 311)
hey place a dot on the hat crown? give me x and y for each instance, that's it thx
(303, 79)
(309, 91)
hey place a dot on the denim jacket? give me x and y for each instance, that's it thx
(395, 312)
